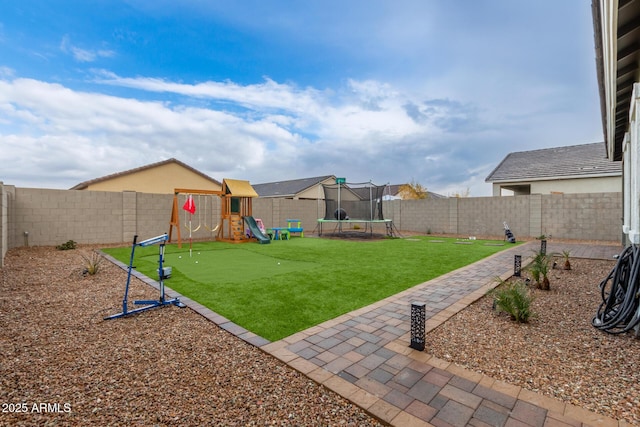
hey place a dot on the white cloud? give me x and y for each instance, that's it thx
(263, 132)
(267, 95)
(84, 55)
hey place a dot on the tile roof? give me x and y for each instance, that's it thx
(288, 188)
(86, 184)
(575, 161)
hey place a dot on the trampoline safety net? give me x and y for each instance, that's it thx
(361, 201)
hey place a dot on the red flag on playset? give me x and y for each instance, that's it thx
(189, 206)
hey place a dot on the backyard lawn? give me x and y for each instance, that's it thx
(281, 288)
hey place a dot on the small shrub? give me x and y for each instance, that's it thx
(514, 298)
(91, 263)
(539, 269)
(565, 257)
(70, 244)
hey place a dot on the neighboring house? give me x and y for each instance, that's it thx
(304, 188)
(160, 178)
(617, 34)
(572, 169)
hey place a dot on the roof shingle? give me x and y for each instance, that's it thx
(575, 161)
(287, 188)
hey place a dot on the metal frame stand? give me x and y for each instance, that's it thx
(150, 303)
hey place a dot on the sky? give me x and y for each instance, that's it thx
(435, 92)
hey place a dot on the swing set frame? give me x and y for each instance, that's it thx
(175, 211)
(236, 196)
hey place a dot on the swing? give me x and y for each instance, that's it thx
(212, 230)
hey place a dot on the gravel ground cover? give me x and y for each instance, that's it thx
(172, 367)
(559, 353)
(62, 364)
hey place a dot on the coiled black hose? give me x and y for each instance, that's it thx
(618, 312)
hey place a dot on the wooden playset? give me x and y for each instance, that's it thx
(235, 208)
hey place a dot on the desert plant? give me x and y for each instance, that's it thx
(69, 244)
(539, 269)
(413, 191)
(565, 257)
(91, 263)
(513, 298)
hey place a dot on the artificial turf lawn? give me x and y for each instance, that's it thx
(281, 288)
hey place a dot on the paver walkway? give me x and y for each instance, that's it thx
(365, 355)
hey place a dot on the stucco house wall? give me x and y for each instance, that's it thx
(159, 178)
(566, 186)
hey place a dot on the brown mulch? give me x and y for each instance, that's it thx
(62, 364)
(558, 353)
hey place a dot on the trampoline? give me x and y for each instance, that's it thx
(351, 204)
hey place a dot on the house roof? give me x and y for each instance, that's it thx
(616, 32)
(288, 188)
(84, 185)
(576, 161)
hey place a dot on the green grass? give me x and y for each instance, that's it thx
(278, 289)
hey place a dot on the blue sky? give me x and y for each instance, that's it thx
(431, 91)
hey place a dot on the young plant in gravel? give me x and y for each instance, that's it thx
(92, 263)
(565, 257)
(513, 298)
(539, 269)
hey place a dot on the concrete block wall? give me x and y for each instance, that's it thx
(586, 216)
(150, 215)
(485, 216)
(275, 212)
(52, 217)
(423, 216)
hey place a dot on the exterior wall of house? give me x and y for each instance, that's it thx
(610, 184)
(52, 217)
(161, 179)
(315, 192)
(631, 156)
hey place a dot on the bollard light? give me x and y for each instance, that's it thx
(418, 314)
